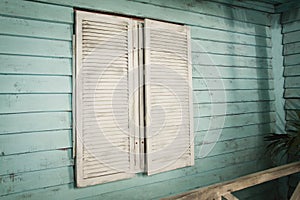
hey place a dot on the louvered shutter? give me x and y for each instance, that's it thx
(169, 116)
(103, 107)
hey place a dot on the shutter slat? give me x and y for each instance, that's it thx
(102, 106)
(103, 142)
(104, 77)
(108, 32)
(168, 55)
(115, 137)
(105, 110)
(163, 61)
(114, 68)
(162, 36)
(91, 47)
(114, 54)
(157, 42)
(104, 124)
(101, 93)
(169, 129)
(107, 86)
(105, 24)
(93, 167)
(104, 173)
(94, 147)
(163, 33)
(106, 130)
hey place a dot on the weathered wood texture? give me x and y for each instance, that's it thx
(291, 26)
(230, 196)
(233, 97)
(224, 189)
(296, 194)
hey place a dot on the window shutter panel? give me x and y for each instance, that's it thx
(103, 107)
(169, 114)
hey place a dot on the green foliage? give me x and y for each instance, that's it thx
(283, 144)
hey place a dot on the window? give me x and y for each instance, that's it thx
(133, 98)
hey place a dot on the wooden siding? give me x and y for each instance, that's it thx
(291, 30)
(291, 51)
(36, 87)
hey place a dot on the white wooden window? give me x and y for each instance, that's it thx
(115, 58)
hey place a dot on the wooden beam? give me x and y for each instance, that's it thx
(296, 194)
(243, 182)
(230, 196)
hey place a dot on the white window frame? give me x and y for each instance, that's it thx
(140, 56)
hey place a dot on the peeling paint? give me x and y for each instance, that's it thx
(12, 177)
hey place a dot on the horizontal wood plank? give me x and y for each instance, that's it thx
(32, 10)
(229, 60)
(291, 27)
(34, 28)
(291, 60)
(211, 8)
(35, 47)
(15, 84)
(27, 181)
(169, 14)
(291, 48)
(231, 72)
(28, 122)
(237, 84)
(26, 142)
(12, 64)
(292, 82)
(35, 161)
(222, 147)
(292, 70)
(291, 37)
(202, 46)
(229, 36)
(217, 122)
(16, 103)
(231, 133)
(288, 17)
(204, 110)
(253, 5)
(232, 96)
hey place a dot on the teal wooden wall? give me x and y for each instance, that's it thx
(291, 42)
(36, 87)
